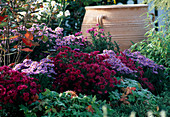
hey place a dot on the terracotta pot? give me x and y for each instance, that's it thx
(126, 23)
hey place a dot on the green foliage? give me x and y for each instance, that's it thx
(53, 13)
(163, 4)
(137, 95)
(89, 2)
(164, 103)
(72, 23)
(157, 46)
(83, 2)
(139, 100)
(43, 80)
(53, 104)
(15, 15)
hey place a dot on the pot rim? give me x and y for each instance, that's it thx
(116, 6)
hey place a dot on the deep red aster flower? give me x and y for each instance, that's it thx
(72, 77)
(99, 92)
(113, 72)
(102, 86)
(9, 92)
(144, 79)
(2, 90)
(86, 83)
(33, 91)
(78, 72)
(33, 84)
(20, 87)
(26, 94)
(98, 71)
(106, 74)
(111, 85)
(10, 101)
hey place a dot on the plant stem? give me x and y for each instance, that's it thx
(8, 56)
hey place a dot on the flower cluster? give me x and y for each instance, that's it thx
(13, 32)
(117, 64)
(152, 74)
(55, 37)
(77, 41)
(100, 40)
(49, 8)
(136, 66)
(143, 61)
(40, 30)
(49, 39)
(16, 87)
(45, 66)
(83, 72)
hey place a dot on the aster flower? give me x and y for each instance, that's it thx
(143, 61)
(116, 63)
(33, 67)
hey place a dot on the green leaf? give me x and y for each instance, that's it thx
(23, 32)
(46, 92)
(13, 49)
(94, 99)
(45, 38)
(13, 25)
(3, 24)
(28, 26)
(10, 53)
(54, 110)
(22, 107)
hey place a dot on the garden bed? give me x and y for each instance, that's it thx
(48, 71)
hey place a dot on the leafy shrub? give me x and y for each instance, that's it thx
(83, 73)
(52, 13)
(51, 103)
(72, 23)
(157, 46)
(16, 88)
(164, 103)
(132, 97)
(14, 15)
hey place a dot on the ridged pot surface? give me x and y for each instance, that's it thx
(126, 23)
